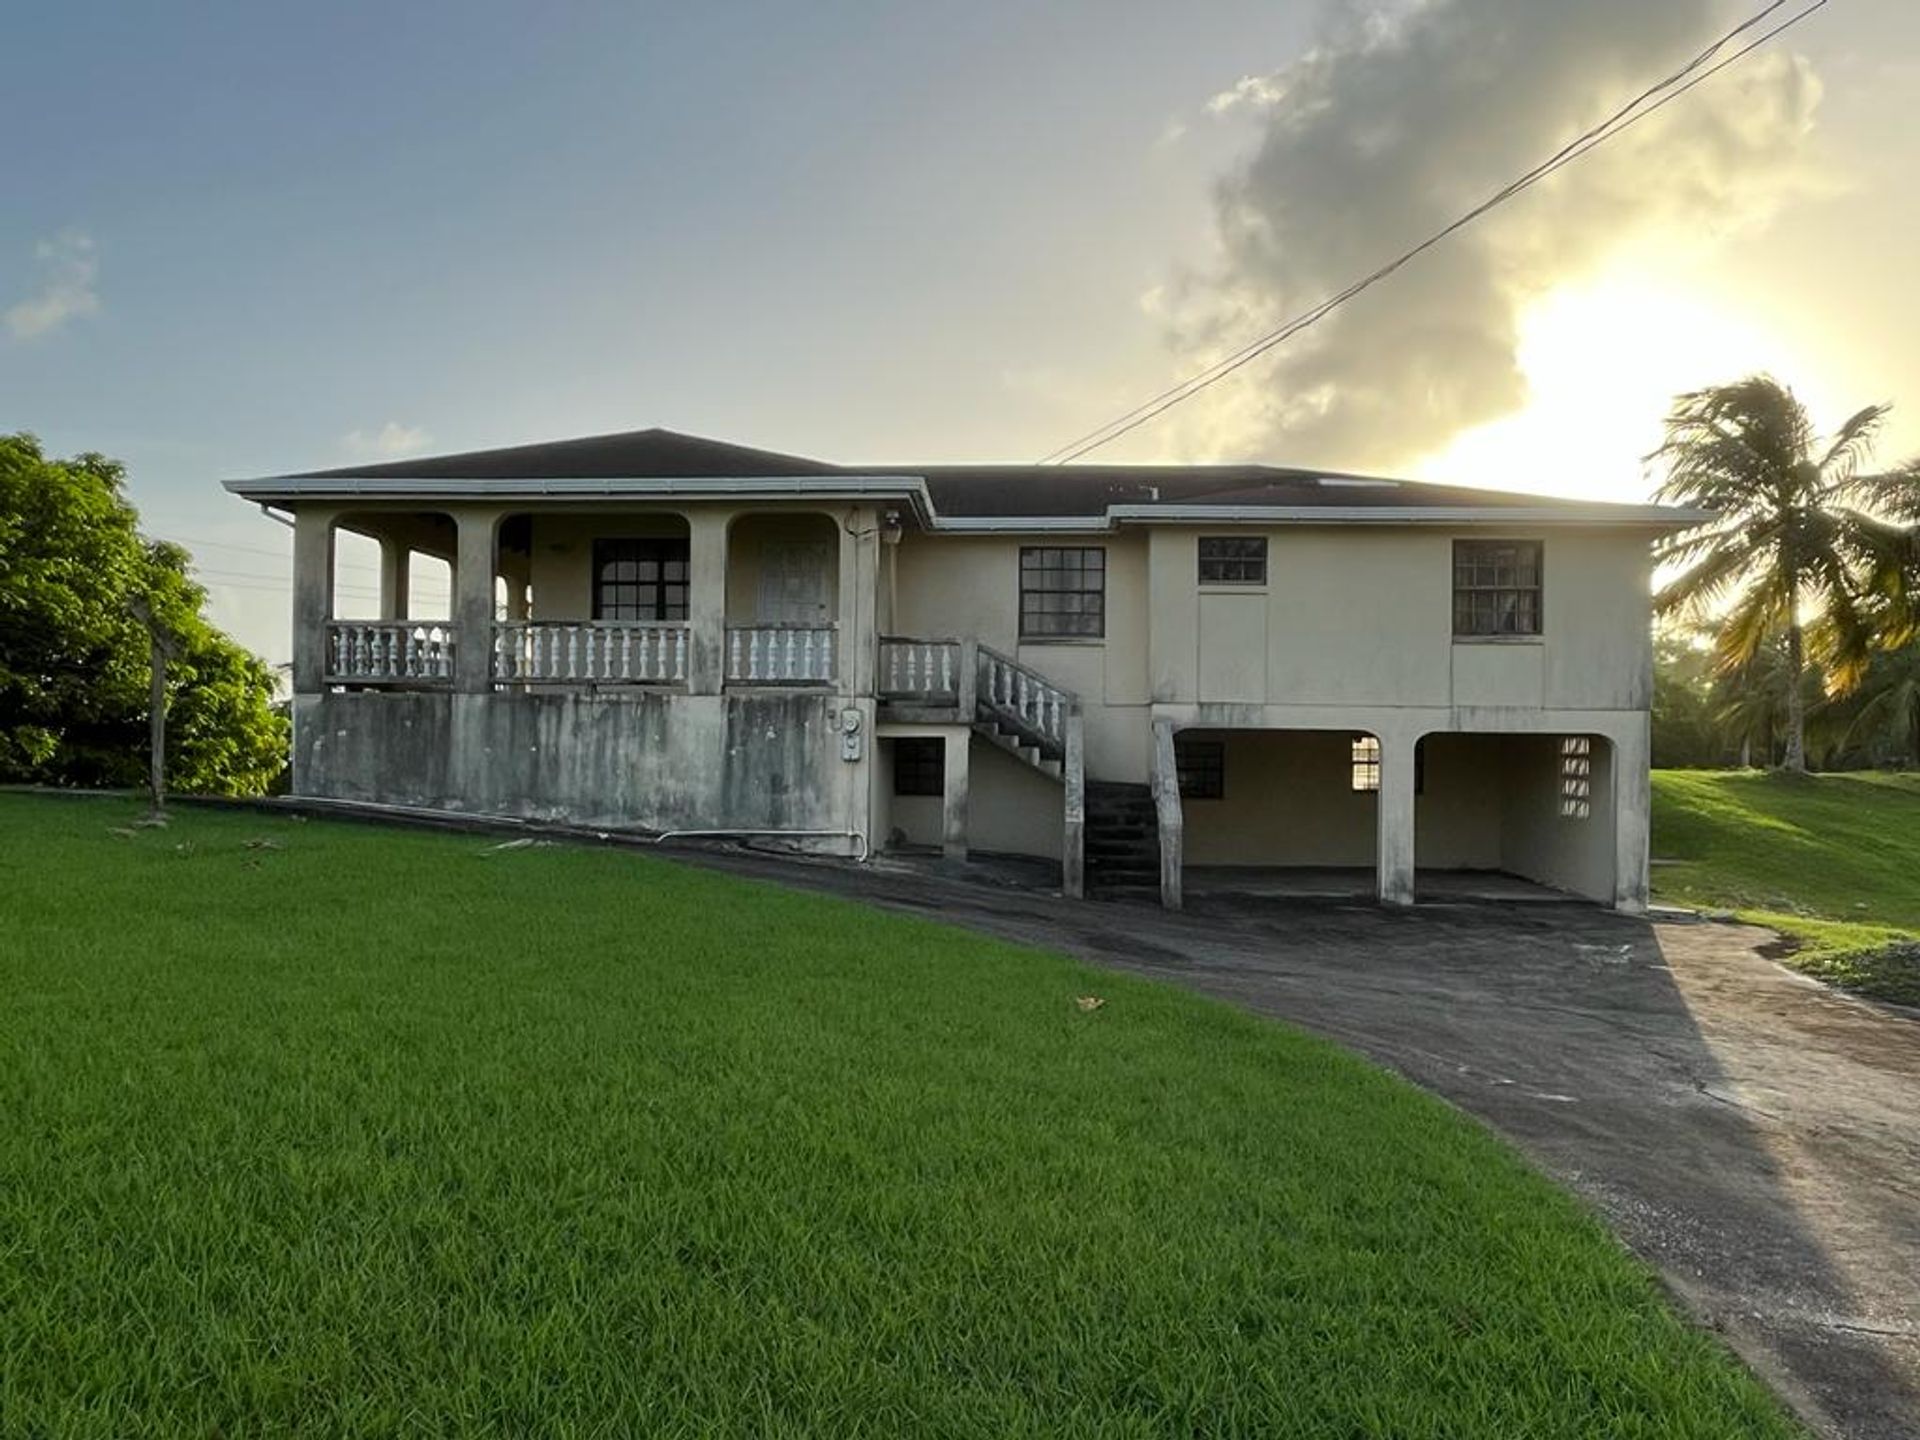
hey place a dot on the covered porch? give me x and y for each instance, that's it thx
(690, 599)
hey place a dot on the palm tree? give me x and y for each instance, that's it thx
(1801, 543)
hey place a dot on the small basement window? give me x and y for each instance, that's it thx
(1063, 592)
(1202, 767)
(1496, 587)
(1576, 777)
(920, 766)
(1366, 763)
(1233, 560)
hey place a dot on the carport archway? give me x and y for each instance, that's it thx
(1279, 812)
(1539, 807)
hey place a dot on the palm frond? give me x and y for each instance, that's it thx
(1852, 443)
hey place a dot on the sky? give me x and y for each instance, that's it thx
(244, 239)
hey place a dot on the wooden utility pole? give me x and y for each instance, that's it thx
(160, 649)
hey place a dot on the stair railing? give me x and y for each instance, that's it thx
(1023, 700)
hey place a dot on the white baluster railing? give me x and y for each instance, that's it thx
(780, 654)
(1023, 697)
(598, 652)
(923, 670)
(389, 652)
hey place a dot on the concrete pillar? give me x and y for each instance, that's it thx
(859, 602)
(473, 600)
(312, 595)
(1073, 784)
(1394, 819)
(954, 804)
(1165, 784)
(394, 577)
(707, 601)
(1632, 811)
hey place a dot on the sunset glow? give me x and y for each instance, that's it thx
(1602, 362)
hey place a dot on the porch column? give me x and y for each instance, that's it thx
(1394, 819)
(1632, 811)
(312, 595)
(707, 601)
(394, 577)
(859, 592)
(1165, 778)
(473, 600)
(1073, 802)
(954, 812)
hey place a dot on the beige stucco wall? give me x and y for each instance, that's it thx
(1289, 800)
(1363, 615)
(747, 541)
(1013, 809)
(947, 587)
(561, 566)
(1536, 839)
(562, 559)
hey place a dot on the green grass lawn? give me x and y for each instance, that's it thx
(362, 1132)
(1832, 861)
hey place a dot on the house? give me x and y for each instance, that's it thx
(1127, 669)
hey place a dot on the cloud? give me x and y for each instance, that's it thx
(391, 441)
(1249, 92)
(1397, 121)
(68, 268)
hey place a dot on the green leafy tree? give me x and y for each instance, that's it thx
(1803, 545)
(1884, 720)
(74, 659)
(1686, 729)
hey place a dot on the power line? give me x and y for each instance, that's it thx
(196, 544)
(1622, 119)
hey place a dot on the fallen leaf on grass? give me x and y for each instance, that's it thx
(260, 842)
(527, 844)
(1088, 1002)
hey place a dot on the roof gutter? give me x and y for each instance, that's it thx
(914, 489)
(1664, 517)
(814, 487)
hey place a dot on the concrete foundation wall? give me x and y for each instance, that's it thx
(758, 760)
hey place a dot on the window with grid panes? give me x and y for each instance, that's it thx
(1233, 560)
(640, 579)
(920, 766)
(1063, 592)
(1366, 762)
(1496, 587)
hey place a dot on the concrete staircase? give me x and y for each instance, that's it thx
(1123, 837)
(1019, 743)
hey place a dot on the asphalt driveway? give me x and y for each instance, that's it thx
(1751, 1133)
